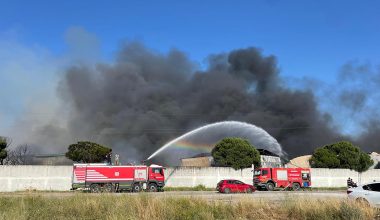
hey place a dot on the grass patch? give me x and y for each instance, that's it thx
(143, 206)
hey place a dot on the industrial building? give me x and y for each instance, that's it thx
(50, 159)
(267, 158)
(199, 160)
(301, 162)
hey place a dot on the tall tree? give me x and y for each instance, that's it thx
(87, 152)
(236, 153)
(4, 143)
(341, 155)
(21, 155)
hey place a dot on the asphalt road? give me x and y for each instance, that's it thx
(264, 195)
(207, 195)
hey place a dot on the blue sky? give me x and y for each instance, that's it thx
(310, 38)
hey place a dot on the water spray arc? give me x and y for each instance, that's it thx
(259, 136)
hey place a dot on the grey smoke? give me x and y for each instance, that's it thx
(353, 99)
(359, 96)
(144, 99)
(370, 138)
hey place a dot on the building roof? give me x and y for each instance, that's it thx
(267, 153)
(196, 162)
(201, 155)
(301, 161)
(48, 155)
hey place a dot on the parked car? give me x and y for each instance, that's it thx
(366, 193)
(233, 186)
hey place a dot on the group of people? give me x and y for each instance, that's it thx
(351, 183)
(108, 158)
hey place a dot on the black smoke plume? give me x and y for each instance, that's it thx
(144, 99)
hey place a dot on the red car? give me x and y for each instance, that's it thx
(232, 186)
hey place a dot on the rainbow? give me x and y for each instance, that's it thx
(186, 145)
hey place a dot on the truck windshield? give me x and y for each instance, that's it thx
(257, 172)
(158, 170)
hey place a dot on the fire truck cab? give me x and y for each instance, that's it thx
(269, 178)
(107, 178)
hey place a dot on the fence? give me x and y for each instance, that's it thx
(58, 178)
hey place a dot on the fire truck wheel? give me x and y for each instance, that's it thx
(227, 190)
(296, 186)
(152, 187)
(95, 188)
(108, 188)
(136, 188)
(270, 186)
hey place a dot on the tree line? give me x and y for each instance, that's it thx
(232, 152)
(82, 152)
(16, 156)
(239, 153)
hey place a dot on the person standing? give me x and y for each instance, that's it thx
(117, 162)
(349, 182)
(109, 157)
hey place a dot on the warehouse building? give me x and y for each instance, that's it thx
(267, 158)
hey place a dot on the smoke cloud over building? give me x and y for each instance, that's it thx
(145, 99)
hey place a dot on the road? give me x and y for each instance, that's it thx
(264, 195)
(207, 195)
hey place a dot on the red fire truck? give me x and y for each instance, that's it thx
(106, 178)
(269, 178)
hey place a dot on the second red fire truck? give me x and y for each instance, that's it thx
(107, 178)
(269, 178)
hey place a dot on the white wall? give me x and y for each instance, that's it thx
(210, 176)
(15, 178)
(338, 177)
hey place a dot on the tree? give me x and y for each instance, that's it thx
(341, 155)
(4, 143)
(19, 156)
(236, 153)
(87, 152)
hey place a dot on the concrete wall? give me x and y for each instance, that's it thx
(15, 178)
(211, 175)
(208, 176)
(338, 177)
